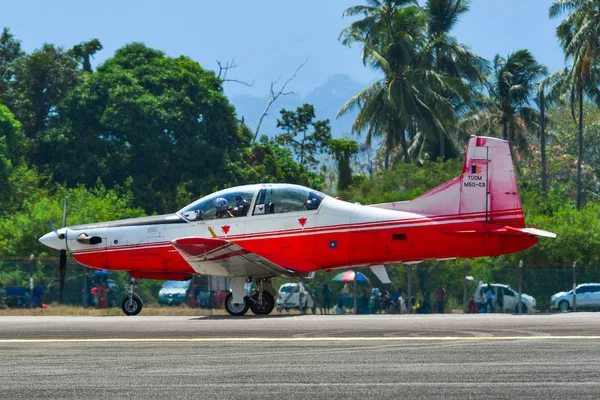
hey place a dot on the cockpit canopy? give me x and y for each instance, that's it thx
(263, 199)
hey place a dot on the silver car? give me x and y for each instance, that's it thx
(588, 296)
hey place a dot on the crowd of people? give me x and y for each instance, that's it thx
(377, 301)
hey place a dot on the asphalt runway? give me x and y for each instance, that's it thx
(553, 356)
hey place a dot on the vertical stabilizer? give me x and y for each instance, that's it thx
(486, 188)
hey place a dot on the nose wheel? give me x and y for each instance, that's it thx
(132, 304)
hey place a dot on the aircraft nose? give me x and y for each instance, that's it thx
(55, 240)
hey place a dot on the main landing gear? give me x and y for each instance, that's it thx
(260, 301)
(132, 304)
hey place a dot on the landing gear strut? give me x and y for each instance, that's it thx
(261, 300)
(132, 304)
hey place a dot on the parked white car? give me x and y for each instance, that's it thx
(511, 297)
(588, 296)
(294, 296)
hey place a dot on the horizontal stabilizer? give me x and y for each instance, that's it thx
(511, 230)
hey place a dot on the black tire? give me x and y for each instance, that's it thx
(563, 306)
(523, 308)
(233, 309)
(268, 302)
(133, 306)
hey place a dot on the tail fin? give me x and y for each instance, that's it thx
(487, 187)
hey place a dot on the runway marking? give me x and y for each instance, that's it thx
(305, 339)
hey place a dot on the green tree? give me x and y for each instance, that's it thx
(579, 36)
(162, 121)
(41, 80)
(452, 59)
(12, 149)
(303, 135)
(84, 51)
(343, 150)
(512, 86)
(267, 162)
(10, 50)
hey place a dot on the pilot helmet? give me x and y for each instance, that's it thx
(221, 204)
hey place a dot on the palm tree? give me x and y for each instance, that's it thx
(449, 56)
(411, 94)
(376, 27)
(579, 35)
(512, 86)
(85, 51)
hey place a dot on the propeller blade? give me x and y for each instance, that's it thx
(63, 272)
(53, 228)
(65, 211)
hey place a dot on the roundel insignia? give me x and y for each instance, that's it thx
(332, 244)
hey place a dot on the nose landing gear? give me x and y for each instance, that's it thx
(132, 304)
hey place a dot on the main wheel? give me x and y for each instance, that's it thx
(265, 307)
(132, 306)
(563, 306)
(237, 310)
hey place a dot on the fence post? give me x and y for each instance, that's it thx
(409, 288)
(575, 286)
(519, 304)
(465, 287)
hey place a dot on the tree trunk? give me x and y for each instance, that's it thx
(580, 152)
(505, 129)
(404, 145)
(543, 142)
(386, 162)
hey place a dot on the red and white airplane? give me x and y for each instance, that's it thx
(257, 232)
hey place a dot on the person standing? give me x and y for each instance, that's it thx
(500, 299)
(326, 294)
(102, 295)
(489, 298)
(440, 297)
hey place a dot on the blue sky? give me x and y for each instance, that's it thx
(267, 38)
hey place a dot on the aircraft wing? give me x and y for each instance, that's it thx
(215, 256)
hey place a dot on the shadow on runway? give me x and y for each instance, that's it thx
(250, 316)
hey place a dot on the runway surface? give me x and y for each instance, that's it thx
(554, 356)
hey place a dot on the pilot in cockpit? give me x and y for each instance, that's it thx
(222, 208)
(241, 207)
(313, 201)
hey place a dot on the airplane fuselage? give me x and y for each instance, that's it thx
(338, 234)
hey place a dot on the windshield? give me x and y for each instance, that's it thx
(176, 284)
(228, 203)
(278, 199)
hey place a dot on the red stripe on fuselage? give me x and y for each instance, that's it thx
(295, 249)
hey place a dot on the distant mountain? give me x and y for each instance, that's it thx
(326, 98)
